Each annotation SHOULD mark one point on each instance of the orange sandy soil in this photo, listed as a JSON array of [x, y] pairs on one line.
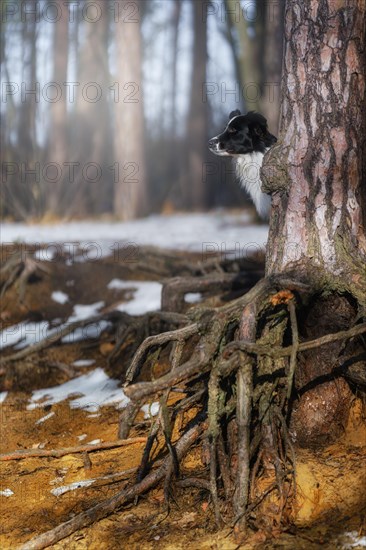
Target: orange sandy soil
[[331, 483]]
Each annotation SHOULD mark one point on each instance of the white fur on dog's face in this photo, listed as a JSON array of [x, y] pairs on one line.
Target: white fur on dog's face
[[215, 147]]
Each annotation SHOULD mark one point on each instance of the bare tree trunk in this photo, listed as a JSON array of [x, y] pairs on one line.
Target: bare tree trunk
[[195, 191], [317, 169], [247, 65], [316, 174], [272, 40], [57, 141], [130, 192], [28, 191], [91, 189]]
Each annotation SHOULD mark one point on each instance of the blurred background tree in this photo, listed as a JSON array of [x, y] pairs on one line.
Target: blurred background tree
[[107, 106]]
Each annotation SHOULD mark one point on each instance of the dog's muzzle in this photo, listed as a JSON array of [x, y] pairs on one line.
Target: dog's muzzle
[[214, 144]]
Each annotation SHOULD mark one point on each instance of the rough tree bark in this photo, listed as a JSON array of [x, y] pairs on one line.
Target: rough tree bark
[[316, 174], [317, 170]]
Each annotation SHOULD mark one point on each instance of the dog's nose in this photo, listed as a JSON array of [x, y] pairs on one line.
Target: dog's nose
[[213, 142]]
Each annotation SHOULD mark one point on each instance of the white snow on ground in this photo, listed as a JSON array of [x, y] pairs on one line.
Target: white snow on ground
[[94, 330], [46, 417], [146, 296], [150, 409], [94, 389], [3, 395], [83, 362], [230, 234], [59, 297], [45, 255], [72, 486], [82, 312], [24, 334], [352, 539], [27, 333], [192, 297], [6, 493]]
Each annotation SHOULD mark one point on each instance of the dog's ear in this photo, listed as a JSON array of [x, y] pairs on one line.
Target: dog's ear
[[234, 113], [260, 130]]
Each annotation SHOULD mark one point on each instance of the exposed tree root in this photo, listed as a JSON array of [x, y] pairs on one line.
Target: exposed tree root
[[108, 506], [235, 365], [18, 270]]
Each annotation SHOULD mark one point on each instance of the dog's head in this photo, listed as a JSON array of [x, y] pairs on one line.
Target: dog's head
[[243, 134]]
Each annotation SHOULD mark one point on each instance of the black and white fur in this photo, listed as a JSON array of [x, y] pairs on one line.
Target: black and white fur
[[246, 138]]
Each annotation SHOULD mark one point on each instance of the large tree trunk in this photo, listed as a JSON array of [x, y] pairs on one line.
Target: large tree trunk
[[316, 172], [130, 193], [316, 175]]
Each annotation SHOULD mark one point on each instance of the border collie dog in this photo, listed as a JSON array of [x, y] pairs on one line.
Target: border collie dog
[[246, 138]]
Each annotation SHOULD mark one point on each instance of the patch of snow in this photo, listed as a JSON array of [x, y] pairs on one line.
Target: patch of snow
[[6, 493], [94, 330], [44, 418], [356, 540], [81, 312], [146, 296], [3, 395], [59, 297], [192, 297], [90, 240], [72, 486], [94, 388], [94, 442], [45, 254], [27, 333], [83, 362], [151, 409], [24, 334]]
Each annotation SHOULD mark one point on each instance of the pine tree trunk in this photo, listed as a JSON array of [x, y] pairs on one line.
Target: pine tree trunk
[[57, 150], [272, 40], [248, 67], [195, 191], [130, 193], [91, 124], [316, 172]]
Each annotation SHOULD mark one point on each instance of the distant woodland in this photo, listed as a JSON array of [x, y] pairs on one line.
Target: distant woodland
[[107, 106]]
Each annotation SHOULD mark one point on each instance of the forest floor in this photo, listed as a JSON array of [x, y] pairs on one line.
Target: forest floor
[[68, 395]]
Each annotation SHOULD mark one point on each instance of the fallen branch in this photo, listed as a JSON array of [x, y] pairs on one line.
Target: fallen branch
[[108, 506], [57, 453]]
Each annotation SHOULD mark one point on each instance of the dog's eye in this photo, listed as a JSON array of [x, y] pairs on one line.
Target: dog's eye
[[232, 130]]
